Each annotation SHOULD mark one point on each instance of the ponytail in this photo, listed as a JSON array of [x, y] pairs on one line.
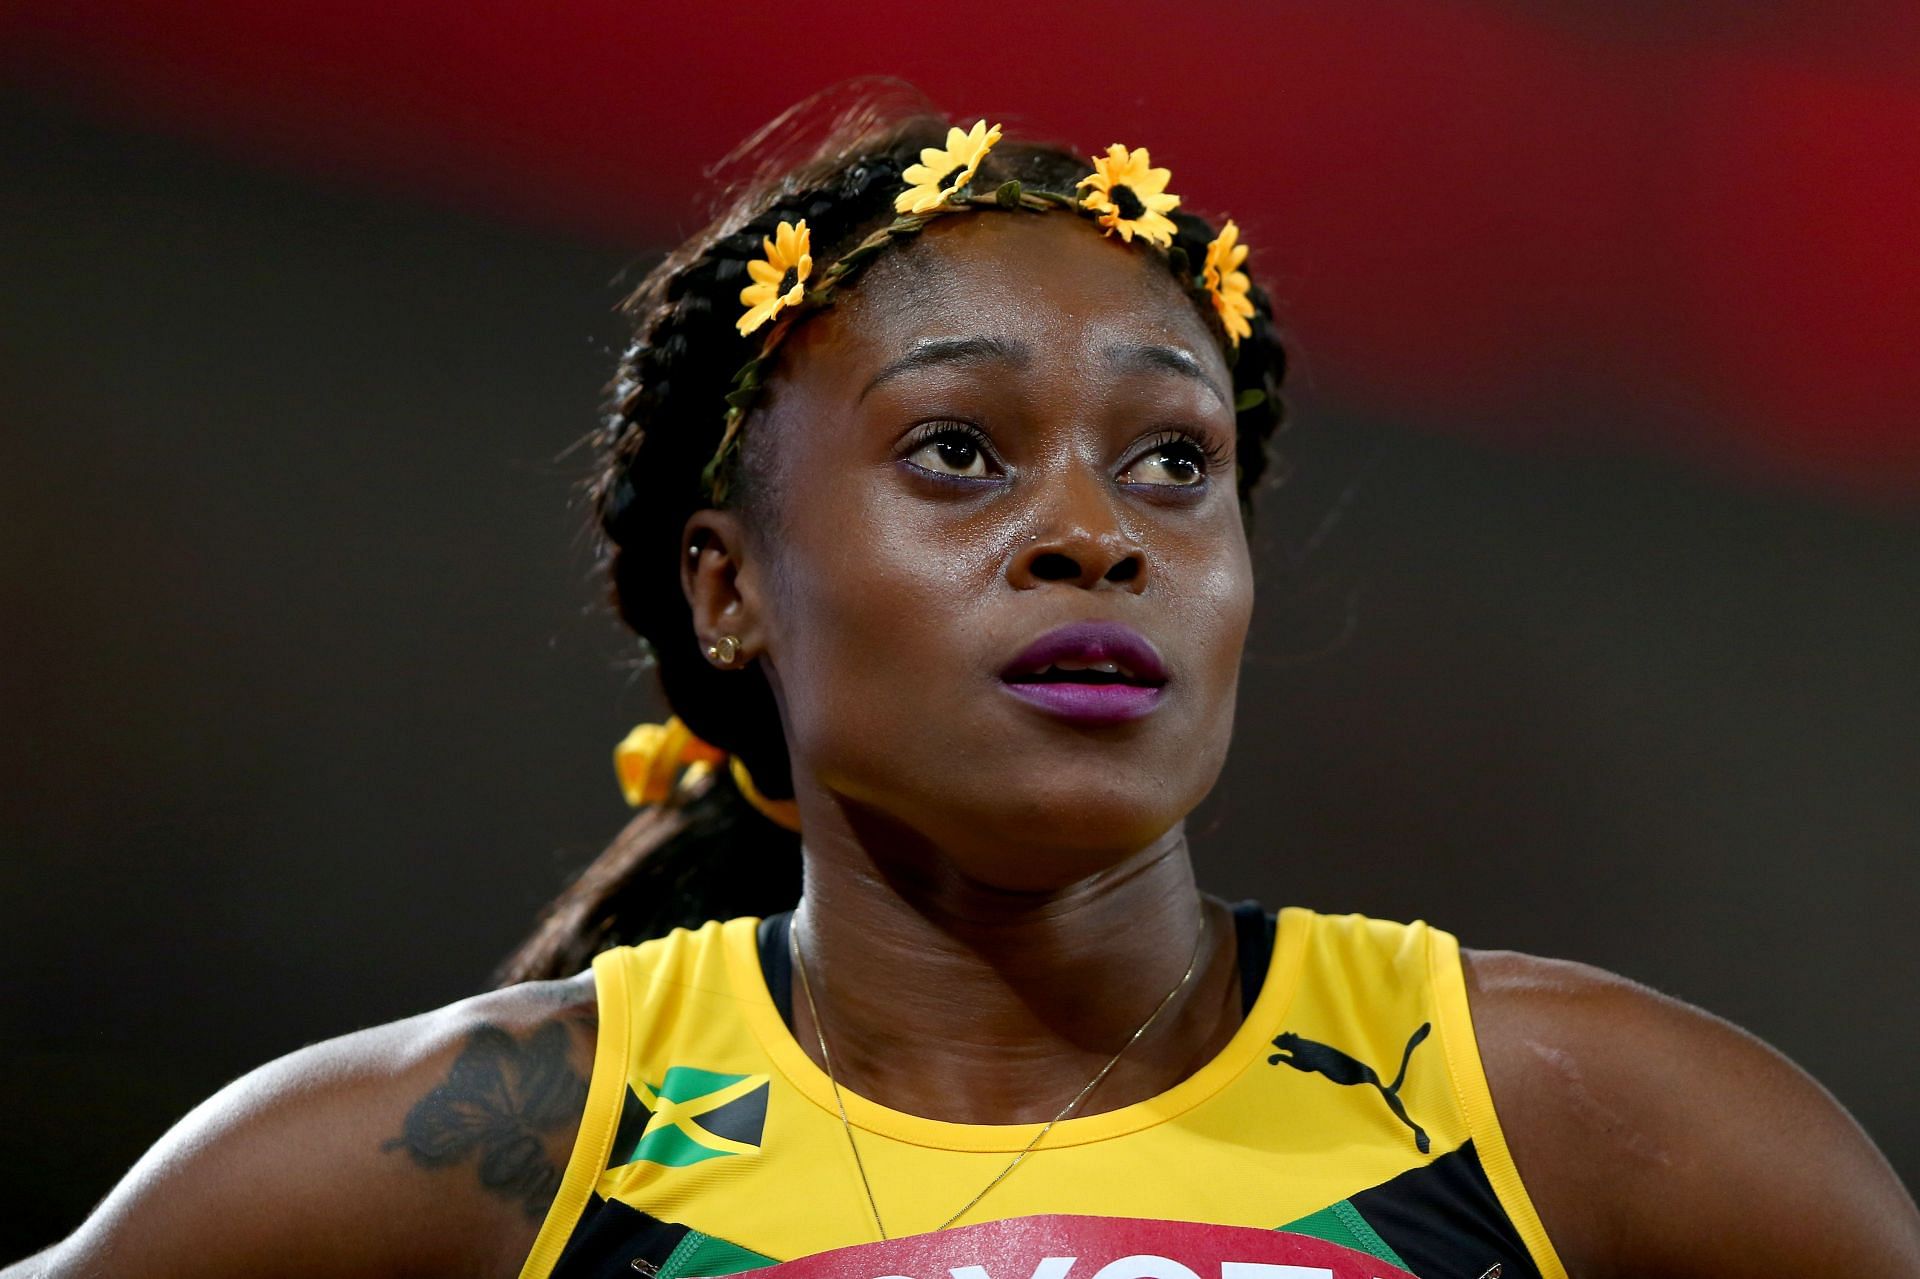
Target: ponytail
[[707, 855]]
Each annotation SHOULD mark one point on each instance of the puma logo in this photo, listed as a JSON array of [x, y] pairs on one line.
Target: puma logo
[[1322, 1059]]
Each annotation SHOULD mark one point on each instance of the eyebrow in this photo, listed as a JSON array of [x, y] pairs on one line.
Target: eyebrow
[[937, 351], [1150, 357]]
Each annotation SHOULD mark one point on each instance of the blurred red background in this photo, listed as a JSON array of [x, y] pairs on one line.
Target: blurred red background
[[1587, 226]]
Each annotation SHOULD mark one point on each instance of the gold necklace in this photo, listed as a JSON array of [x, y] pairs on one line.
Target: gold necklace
[[819, 1030]]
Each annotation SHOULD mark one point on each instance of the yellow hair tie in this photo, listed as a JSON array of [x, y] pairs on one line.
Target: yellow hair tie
[[655, 760], [653, 756], [781, 812]]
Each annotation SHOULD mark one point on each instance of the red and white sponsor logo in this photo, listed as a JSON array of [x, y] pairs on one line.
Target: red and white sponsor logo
[[1063, 1247]]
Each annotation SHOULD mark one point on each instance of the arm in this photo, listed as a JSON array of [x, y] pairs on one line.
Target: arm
[[431, 1145], [1662, 1143]]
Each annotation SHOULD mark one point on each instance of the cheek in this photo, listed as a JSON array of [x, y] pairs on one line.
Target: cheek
[[875, 610], [1212, 598], [1231, 588]]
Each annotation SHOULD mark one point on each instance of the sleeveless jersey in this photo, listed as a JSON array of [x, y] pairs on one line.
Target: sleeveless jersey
[[1350, 1105]]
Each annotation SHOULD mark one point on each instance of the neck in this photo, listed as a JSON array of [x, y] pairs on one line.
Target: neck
[[955, 1001]]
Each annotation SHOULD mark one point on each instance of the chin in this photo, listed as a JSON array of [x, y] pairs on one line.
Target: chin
[[1043, 875], [1016, 829], [1042, 841]]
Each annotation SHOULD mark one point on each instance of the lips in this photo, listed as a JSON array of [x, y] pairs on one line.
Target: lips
[[1089, 673], [1109, 649]]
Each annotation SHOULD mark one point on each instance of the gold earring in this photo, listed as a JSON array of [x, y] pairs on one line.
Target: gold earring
[[725, 652]]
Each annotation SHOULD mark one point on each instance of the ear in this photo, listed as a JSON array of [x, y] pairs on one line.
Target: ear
[[721, 588]]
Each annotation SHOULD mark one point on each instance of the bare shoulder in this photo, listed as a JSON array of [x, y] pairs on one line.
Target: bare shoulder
[[1658, 1139], [432, 1145]]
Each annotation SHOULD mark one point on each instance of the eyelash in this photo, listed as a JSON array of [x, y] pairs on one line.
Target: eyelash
[[932, 432], [1214, 455]]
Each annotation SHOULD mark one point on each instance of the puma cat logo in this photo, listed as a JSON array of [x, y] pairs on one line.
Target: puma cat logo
[[1322, 1059]]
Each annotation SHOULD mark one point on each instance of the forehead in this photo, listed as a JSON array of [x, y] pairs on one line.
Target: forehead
[[1050, 281]]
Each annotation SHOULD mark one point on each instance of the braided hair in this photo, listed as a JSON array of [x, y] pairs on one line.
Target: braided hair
[[709, 854]]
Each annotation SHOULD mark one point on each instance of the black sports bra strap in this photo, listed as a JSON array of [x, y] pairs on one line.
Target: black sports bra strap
[[1253, 932], [776, 962]]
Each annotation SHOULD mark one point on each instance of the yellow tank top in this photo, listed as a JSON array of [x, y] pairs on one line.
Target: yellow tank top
[[1350, 1105]]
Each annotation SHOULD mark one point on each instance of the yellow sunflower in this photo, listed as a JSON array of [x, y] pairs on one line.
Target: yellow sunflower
[[944, 170], [1227, 284], [779, 279], [1130, 197]]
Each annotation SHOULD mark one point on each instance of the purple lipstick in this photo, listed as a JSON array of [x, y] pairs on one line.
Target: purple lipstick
[[1090, 674]]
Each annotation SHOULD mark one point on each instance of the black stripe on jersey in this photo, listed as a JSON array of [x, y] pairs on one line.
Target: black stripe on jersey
[[610, 1237], [1445, 1220]]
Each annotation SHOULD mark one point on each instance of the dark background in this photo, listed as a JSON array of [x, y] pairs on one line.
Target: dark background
[[1606, 648]]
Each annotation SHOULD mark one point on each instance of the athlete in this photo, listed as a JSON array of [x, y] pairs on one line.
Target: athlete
[[925, 482]]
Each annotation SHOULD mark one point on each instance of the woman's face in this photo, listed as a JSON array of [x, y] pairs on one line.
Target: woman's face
[[1012, 432]]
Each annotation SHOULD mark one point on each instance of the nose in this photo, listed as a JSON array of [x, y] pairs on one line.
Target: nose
[[1079, 540]]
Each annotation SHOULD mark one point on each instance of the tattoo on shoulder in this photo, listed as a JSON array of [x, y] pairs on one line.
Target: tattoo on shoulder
[[500, 1099]]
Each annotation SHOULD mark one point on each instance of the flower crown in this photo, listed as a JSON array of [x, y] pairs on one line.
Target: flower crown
[[1124, 194]]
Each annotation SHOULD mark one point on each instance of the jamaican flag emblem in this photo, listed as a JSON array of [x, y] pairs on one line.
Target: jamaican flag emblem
[[689, 1116]]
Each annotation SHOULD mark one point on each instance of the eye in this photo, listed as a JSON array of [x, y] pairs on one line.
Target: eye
[[1173, 460], [950, 448]]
